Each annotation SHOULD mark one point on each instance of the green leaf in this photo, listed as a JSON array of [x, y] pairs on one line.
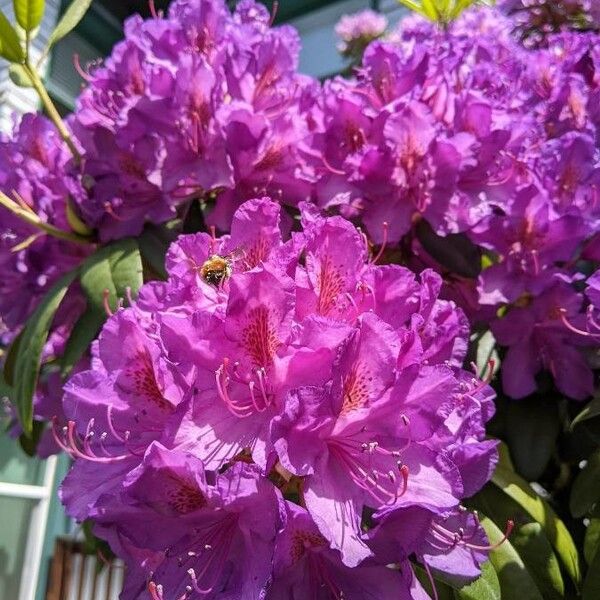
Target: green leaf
[[19, 76], [590, 411], [84, 333], [29, 444], [69, 21], [519, 490], [430, 9], [591, 585], [533, 547], [35, 334], [487, 587], [75, 223], [114, 268], [515, 581], [532, 427], [459, 7], [154, 244], [591, 544], [11, 360], [10, 46], [585, 492], [29, 13], [414, 6], [528, 539], [455, 252]]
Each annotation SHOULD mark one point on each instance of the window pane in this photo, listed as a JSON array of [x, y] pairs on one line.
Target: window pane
[[15, 515], [17, 467]]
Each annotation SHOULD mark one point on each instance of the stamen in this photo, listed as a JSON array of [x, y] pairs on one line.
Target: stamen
[[383, 244], [330, 167], [105, 302], [573, 328], [156, 591], [70, 446], [431, 580], [459, 536], [222, 381], [80, 70]]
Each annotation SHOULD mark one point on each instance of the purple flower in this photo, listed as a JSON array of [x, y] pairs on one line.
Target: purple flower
[[541, 333], [34, 171], [305, 567], [198, 105], [274, 365]]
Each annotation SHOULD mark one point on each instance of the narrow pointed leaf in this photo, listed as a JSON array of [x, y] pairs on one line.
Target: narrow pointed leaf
[[114, 268], [591, 585], [69, 20], [11, 360], [591, 411], [585, 493], [84, 333], [532, 427], [521, 492], [10, 46], [515, 581], [591, 544], [35, 334], [487, 587], [528, 539], [29, 13]]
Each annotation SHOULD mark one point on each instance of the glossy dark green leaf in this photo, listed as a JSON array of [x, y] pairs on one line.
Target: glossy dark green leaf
[[585, 492], [115, 268], [487, 587], [535, 550], [521, 492], [591, 585], [528, 539], [532, 426], [29, 444], [35, 334], [29, 13], [84, 333], [10, 45], [454, 252], [591, 544], [154, 244], [515, 581], [11, 360], [590, 411], [70, 19]]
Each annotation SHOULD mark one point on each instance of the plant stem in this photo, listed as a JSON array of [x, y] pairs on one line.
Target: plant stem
[[55, 117], [30, 217]]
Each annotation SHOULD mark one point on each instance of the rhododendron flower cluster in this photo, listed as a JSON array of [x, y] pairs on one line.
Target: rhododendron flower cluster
[[198, 104], [34, 171], [289, 415], [288, 407], [535, 19], [479, 136]]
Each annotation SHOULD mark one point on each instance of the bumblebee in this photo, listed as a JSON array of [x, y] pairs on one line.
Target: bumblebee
[[216, 270]]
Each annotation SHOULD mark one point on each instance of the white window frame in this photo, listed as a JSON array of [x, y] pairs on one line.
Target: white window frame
[[36, 535]]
